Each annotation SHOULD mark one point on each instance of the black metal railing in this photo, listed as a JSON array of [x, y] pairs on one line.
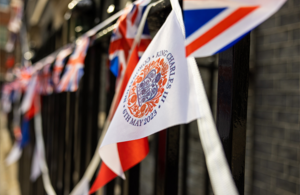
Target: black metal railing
[[72, 124]]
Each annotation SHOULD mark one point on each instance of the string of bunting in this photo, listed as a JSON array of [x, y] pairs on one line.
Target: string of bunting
[[154, 77]]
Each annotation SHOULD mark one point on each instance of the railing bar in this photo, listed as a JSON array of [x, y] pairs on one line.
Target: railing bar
[[160, 163], [185, 154], [172, 160], [232, 106]]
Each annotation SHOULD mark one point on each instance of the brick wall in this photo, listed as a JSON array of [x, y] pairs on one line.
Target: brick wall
[[276, 139]]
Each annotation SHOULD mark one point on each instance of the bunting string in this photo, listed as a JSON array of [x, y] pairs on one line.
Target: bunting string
[[67, 66]]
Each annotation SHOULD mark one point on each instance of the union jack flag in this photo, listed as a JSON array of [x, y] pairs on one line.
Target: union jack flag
[[215, 25], [123, 37], [74, 68], [59, 64], [45, 86], [23, 76]]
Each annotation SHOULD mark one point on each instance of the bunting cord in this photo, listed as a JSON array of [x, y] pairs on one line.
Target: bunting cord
[[109, 20], [89, 33], [218, 169], [80, 187]]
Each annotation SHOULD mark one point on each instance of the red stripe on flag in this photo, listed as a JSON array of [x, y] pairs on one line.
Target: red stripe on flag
[[133, 61], [33, 108], [105, 175], [233, 18], [132, 152], [144, 44], [120, 44]]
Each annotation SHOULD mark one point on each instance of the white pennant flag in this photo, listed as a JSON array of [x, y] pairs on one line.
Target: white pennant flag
[[164, 90], [160, 93]]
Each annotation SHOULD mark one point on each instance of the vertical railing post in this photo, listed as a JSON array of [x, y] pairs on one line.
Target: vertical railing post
[[172, 160], [232, 106], [160, 162], [166, 181], [134, 180], [110, 186]]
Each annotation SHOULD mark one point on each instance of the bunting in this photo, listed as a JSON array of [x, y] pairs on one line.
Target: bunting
[[156, 90], [123, 37], [214, 26], [59, 64], [74, 68], [45, 85]]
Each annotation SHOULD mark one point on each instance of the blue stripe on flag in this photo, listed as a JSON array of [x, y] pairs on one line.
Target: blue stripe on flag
[[114, 66], [232, 43], [195, 19], [132, 9], [25, 133]]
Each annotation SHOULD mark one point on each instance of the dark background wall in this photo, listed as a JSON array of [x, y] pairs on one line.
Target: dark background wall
[[276, 152]]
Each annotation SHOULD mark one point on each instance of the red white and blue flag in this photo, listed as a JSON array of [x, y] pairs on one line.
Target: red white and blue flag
[[45, 86], [215, 25], [59, 64], [74, 68], [24, 75], [123, 37]]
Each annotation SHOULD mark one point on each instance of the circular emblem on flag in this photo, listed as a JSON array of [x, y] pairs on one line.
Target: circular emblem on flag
[[148, 88]]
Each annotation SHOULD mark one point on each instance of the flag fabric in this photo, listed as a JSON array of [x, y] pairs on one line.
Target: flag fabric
[[45, 85], [159, 94], [25, 132], [74, 68], [214, 26], [31, 110], [123, 37], [24, 75], [28, 109], [59, 64], [27, 100]]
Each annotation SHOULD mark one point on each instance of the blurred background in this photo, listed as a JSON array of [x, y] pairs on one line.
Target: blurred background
[[71, 132]]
